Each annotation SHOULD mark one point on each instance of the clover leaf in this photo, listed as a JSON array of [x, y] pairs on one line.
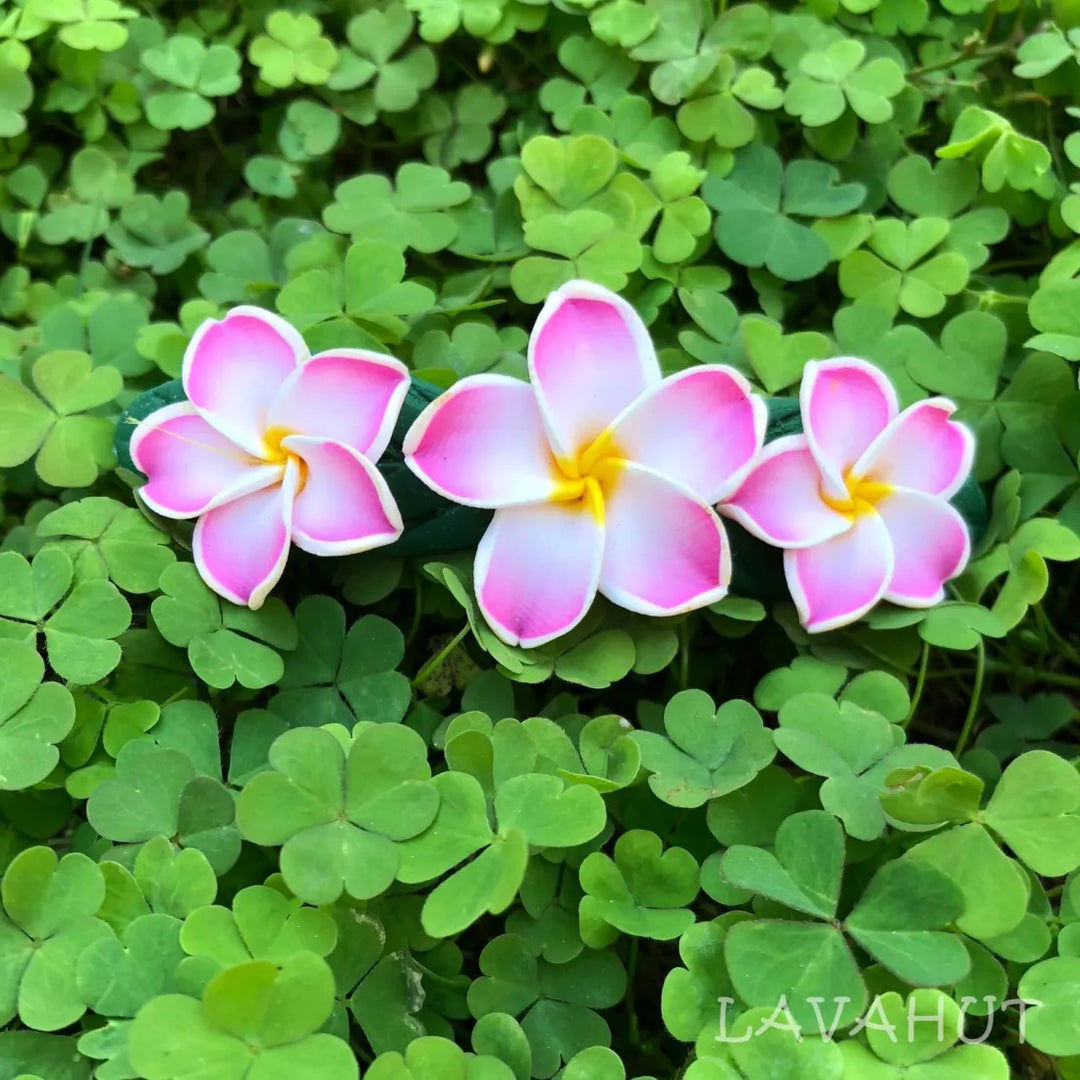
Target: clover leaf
[[901, 920], [897, 1046], [48, 922], [1007, 157], [896, 272], [90, 25], [459, 130], [435, 1056], [224, 642], [262, 924], [57, 423], [105, 539], [16, 94], [156, 233], [759, 201], [643, 891], [78, 625], [829, 80], [339, 814], [409, 213], [199, 71], [254, 1019], [717, 109], [334, 677], [34, 717], [378, 36], [156, 792], [558, 1001], [707, 751], [855, 749], [293, 49], [441, 18]]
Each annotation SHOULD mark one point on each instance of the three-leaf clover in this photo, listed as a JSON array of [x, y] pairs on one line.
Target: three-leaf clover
[[707, 752], [1008, 159], [901, 920], [254, 1020], [759, 201], [378, 36], [829, 80], [340, 812], [225, 643], [198, 71], [293, 49], [411, 212], [156, 233], [57, 422], [78, 624]]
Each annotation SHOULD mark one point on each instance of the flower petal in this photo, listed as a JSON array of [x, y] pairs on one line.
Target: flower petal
[[190, 466], [665, 550], [349, 395], [590, 355], [240, 548], [234, 366], [780, 501], [846, 403], [922, 449], [839, 581], [482, 443], [537, 569], [700, 428], [344, 505], [930, 545]]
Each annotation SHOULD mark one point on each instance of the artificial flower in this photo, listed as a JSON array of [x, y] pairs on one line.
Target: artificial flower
[[272, 446], [860, 500], [602, 474]]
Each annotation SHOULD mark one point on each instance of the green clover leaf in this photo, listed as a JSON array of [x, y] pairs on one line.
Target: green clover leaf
[[409, 213], [254, 1020], [377, 36], [57, 422], [643, 891], [225, 643], [340, 814], [156, 233], [759, 201], [48, 922], [293, 49], [707, 751], [434, 1056], [1007, 157]]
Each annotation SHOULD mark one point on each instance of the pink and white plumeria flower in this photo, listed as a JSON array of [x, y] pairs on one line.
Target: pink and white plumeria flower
[[273, 445], [602, 474], [860, 500]]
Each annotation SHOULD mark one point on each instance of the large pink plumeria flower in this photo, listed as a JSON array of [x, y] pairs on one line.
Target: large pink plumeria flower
[[860, 501], [602, 474], [273, 445]]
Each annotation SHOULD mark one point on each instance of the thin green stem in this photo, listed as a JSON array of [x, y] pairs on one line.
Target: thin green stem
[[684, 655], [631, 1011], [920, 682], [439, 658], [976, 695], [967, 54]]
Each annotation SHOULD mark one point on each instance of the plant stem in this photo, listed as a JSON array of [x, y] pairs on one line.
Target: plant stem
[[920, 682], [631, 1011], [976, 695], [439, 658]]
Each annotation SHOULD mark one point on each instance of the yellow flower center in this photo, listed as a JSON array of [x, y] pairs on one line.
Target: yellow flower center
[[587, 479], [862, 496], [276, 454]]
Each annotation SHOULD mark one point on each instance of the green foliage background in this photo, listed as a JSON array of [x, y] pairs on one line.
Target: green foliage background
[[353, 832]]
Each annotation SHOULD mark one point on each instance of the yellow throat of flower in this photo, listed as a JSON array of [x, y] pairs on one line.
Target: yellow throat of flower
[[585, 481], [862, 496]]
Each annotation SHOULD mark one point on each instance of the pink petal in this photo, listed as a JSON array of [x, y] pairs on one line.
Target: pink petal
[[700, 428], [482, 443], [234, 366], [590, 355], [665, 551], [191, 467], [780, 501], [537, 569], [922, 449], [846, 403], [240, 548], [344, 505], [839, 581], [930, 545], [350, 395]]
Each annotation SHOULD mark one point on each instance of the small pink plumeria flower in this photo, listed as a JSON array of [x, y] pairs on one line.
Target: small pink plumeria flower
[[273, 445], [602, 474], [860, 500]]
